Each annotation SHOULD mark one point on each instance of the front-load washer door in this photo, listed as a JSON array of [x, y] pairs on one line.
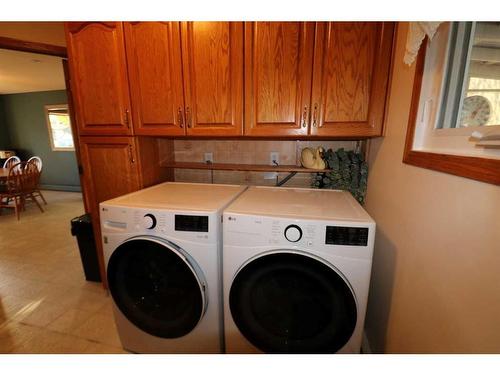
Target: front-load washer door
[[156, 287], [291, 303]]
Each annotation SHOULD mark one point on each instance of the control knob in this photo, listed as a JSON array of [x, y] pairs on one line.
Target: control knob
[[293, 233], [149, 221]]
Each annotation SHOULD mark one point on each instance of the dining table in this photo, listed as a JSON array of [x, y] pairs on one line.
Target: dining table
[[4, 173]]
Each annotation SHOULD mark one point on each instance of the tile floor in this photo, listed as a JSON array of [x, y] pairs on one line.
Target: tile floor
[[46, 306]]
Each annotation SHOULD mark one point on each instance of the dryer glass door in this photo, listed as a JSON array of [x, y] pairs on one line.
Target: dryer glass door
[[155, 287], [292, 303]]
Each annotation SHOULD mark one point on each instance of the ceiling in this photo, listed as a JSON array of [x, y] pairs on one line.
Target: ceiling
[[28, 72], [41, 32]]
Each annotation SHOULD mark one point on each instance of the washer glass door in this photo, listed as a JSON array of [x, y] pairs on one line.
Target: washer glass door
[[292, 303], [156, 287]]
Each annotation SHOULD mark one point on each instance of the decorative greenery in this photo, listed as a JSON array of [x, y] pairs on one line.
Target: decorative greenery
[[349, 172]]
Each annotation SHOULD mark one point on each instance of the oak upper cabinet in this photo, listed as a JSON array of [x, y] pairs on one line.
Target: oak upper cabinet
[[99, 79], [351, 70], [212, 54], [155, 74], [278, 74]]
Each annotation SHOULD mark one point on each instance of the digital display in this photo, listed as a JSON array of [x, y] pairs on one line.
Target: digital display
[[347, 236], [188, 223]]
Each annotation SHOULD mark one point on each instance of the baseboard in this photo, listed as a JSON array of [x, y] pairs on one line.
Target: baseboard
[[61, 187], [365, 345]]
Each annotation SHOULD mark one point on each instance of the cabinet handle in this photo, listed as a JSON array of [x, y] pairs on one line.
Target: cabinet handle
[[304, 117], [188, 117], [127, 122], [315, 114], [131, 154], [180, 117]]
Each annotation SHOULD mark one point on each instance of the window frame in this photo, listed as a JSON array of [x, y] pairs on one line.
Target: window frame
[[476, 168], [457, 67], [47, 109]]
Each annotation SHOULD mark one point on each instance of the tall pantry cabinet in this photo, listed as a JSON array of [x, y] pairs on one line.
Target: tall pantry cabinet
[[110, 158]]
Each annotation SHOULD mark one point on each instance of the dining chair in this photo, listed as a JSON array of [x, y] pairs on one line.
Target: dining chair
[[30, 178], [38, 162], [11, 161], [12, 190]]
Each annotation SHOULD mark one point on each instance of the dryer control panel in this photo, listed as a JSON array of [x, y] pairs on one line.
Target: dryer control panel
[[345, 238]]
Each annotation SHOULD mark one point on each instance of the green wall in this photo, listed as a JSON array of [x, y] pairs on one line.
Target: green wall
[[27, 133], [4, 131]]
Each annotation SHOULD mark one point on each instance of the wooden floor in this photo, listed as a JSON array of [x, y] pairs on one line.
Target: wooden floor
[[46, 306]]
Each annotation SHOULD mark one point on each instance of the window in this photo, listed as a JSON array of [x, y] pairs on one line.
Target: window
[[471, 92], [59, 125], [456, 92]]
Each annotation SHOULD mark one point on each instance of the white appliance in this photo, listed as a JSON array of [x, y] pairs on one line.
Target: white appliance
[[296, 271], [162, 250]]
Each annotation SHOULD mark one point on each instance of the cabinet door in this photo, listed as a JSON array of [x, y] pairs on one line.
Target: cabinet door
[[98, 77], [278, 73], [109, 170], [212, 54], [155, 74], [351, 70], [109, 167]]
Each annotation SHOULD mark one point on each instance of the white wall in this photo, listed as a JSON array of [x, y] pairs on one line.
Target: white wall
[[436, 272]]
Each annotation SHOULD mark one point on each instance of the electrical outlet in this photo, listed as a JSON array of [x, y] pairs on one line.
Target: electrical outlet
[[270, 175], [209, 157], [274, 158]]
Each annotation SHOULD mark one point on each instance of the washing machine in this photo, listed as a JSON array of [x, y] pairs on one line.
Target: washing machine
[[162, 248], [296, 271]]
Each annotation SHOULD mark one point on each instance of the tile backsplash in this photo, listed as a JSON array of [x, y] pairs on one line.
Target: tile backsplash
[[246, 152]]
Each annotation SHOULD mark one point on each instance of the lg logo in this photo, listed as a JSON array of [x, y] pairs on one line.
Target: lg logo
[[230, 218]]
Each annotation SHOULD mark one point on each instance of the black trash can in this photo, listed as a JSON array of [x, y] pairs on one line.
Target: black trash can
[[81, 227]]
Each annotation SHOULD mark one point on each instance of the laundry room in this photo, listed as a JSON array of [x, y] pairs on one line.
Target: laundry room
[[305, 185]]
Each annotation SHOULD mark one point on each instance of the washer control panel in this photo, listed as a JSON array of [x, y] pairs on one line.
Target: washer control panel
[[193, 226], [191, 223]]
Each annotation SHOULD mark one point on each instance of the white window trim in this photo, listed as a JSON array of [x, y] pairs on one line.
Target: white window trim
[[453, 141]]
